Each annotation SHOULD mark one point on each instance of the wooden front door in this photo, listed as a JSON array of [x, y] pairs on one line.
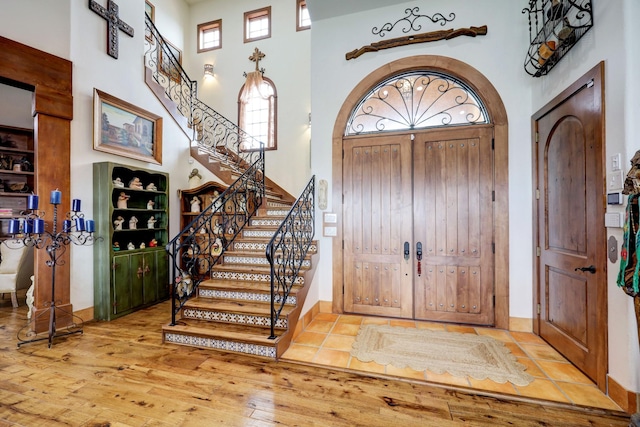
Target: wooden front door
[[433, 188], [571, 271], [453, 220], [377, 223]]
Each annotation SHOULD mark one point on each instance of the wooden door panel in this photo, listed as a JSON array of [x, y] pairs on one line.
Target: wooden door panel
[[570, 226], [453, 217], [377, 222]]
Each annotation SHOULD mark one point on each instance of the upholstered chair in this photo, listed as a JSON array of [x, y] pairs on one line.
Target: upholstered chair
[[16, 268]]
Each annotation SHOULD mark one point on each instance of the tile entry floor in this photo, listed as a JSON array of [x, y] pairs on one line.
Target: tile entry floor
[[328, 338]]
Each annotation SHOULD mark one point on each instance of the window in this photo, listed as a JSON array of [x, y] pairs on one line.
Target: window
[[210, 36], [417, 100], [303, 20], [257, 24], [257, 113]]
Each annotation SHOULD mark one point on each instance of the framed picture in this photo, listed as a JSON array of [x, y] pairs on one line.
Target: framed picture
[[150, 10], [125, 130], [165, 61]]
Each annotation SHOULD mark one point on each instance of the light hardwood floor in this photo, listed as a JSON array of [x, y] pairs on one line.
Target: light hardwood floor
[[120, 374]]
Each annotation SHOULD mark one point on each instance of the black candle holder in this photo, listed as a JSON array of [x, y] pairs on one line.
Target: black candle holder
[[32, 232]]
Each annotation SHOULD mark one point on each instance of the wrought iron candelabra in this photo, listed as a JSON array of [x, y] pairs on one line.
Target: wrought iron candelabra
[[30, 230]]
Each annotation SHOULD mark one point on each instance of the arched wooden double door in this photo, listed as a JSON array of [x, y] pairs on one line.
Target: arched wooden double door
[[418, 225], [419, 217]]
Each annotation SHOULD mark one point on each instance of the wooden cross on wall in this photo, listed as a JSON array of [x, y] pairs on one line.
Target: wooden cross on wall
[[256, 57], [114, 24]]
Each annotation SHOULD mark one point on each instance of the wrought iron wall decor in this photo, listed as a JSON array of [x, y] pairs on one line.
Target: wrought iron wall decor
[[409, 21], [431, 36], [415, 100], [555, 26]]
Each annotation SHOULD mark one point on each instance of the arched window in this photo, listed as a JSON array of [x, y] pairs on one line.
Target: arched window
[[416, 100], [257, 108]]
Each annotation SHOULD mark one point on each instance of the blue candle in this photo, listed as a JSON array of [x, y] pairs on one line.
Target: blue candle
[[56, 196], [66, 225], [38, 226], [79, 224], [32, 202], [28, 226], [91, 225], [14, 226], [75, 205]]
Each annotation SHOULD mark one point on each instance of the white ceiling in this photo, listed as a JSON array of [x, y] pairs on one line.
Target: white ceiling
[[323, 9]]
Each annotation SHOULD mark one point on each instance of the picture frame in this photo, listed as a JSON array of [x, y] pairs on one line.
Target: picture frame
[[165, 64], [150, 10], [125, 130]]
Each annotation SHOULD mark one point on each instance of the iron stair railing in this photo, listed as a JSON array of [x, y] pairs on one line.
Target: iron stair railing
[[288, 249], [202, 243], [214, 134]]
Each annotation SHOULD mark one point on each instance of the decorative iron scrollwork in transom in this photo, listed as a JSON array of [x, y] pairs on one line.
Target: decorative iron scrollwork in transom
[[417, 100]]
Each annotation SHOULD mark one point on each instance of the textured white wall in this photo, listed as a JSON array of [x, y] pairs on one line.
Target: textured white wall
[[287, 64], [499, 56]]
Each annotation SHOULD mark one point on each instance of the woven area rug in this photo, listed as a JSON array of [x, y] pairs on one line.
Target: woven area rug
[[476, 356]]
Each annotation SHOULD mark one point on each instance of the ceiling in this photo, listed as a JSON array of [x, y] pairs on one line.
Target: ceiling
[[323, 9]]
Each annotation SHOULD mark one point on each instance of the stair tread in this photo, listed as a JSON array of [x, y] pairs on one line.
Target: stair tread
[[227, 331], [247, 268], [239, 286], [249, 308]]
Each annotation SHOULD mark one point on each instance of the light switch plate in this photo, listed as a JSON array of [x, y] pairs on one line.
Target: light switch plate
[[330, 231], [615, 180]]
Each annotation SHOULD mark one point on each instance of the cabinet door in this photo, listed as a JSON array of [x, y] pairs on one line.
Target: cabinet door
[[120, 276], [162, 272], [138, 279]]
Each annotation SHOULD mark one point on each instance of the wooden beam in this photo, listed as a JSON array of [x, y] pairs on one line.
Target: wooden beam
[[418, 38]]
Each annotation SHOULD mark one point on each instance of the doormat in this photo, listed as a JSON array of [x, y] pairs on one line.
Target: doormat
[[462, 355]]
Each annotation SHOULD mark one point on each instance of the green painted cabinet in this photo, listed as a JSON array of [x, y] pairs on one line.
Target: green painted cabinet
[[131, 210]]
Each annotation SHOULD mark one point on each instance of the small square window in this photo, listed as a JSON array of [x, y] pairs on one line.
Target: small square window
[[303, 20], [257, 24], [210, 36]]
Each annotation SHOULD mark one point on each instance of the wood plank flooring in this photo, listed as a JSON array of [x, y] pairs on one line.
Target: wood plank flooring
[[119, 373]]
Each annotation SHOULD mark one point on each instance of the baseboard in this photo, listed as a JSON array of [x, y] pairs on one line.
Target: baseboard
[[520, 324], [625, 399], [85, 314]]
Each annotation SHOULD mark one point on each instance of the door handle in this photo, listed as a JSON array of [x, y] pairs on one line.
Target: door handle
[[406, 251], [591, 269], [419, 257]]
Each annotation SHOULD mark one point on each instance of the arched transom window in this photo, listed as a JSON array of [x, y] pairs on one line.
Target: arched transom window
[[416, 100]]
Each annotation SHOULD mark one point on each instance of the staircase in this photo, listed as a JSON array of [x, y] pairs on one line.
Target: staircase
[[243, 302], [232, 310]]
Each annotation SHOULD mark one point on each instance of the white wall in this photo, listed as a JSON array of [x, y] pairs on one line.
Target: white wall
[[287, 64], [611, 40], [499, 56], [68, 28]]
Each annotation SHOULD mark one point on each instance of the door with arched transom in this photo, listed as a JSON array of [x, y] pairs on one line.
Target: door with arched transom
[[418, 186]]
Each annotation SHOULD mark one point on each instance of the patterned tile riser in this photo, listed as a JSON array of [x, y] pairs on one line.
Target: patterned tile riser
[[254, 261], [261, 246], [241, 296], [247, 277], [238, 319], [237, 347]]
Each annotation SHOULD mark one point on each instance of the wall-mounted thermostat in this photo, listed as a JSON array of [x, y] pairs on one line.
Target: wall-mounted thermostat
[[614, 198]]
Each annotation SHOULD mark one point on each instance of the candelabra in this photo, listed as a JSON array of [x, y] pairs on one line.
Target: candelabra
[[30, 230]]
